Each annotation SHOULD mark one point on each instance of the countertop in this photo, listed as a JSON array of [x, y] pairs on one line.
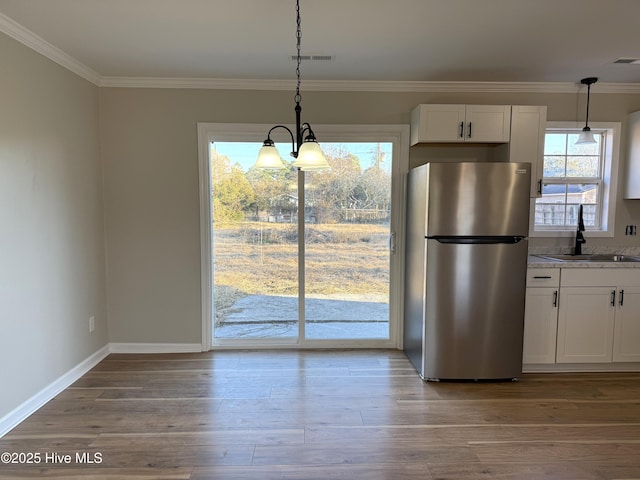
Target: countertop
[[537, 262]]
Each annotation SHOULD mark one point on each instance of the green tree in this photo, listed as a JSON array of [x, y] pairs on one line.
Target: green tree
[[232, 194]]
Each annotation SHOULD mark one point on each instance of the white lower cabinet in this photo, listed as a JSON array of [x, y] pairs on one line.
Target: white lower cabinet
[[626, 339], [541, 316], [582, 315], [599, 316], [585, 325]]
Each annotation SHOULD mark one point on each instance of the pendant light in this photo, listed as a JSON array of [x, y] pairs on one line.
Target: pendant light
[[586, 137], [305, 148]]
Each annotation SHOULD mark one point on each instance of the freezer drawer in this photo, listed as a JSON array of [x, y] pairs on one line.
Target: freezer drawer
[[474, 310]]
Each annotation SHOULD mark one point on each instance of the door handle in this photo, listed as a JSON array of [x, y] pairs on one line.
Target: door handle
[[469, 130], [392, 242], [540, 187], [555, 299], [461, 129], [613, 298], [542, 276], [621, 297]]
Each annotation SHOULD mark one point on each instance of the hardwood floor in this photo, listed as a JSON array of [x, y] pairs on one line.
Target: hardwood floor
[[326, 415]]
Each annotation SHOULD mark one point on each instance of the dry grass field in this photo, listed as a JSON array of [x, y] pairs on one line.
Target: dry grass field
[[261, 258]]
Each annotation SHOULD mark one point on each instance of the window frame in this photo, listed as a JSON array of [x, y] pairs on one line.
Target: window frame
[[608, 185]]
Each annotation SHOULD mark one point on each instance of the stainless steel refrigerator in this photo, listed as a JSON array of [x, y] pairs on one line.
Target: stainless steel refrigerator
[[465, 273]]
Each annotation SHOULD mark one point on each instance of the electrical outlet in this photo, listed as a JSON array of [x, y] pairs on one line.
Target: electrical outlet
[[630, 230], [92, 324]]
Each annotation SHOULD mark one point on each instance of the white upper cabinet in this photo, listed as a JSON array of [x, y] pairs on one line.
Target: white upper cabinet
[[632, 185], [528, 125], [431, 123]]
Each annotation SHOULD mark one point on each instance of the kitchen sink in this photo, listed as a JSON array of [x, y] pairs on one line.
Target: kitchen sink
[[594, 257]]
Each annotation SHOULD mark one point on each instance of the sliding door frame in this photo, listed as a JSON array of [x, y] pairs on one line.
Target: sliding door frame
[[398, 135]]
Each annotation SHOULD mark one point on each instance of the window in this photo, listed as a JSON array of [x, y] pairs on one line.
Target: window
[[575, 175]]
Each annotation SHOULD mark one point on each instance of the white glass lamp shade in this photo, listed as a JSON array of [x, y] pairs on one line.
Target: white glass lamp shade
[[269, 158], [310, 157], [586, 137]]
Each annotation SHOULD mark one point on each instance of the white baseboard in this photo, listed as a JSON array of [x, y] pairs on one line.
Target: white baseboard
[[155, 347], [20, 413], [23, 411]]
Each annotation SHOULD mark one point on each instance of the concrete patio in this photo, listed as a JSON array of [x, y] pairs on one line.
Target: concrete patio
[[327, 317]]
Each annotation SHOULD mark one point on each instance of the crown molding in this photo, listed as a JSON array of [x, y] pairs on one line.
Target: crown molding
[[364, 86], [33, 41], [40, 45]]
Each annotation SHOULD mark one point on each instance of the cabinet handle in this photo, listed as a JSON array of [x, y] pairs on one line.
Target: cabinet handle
[[542, 276], [555, 298], [613, 298], [540, 187], [621, 297], [461, 129], [469, 129]]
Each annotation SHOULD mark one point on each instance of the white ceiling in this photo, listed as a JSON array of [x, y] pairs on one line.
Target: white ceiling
[[372, 40]]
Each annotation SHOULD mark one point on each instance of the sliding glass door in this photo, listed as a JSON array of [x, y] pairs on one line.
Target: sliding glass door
[[347, 237], [302, 258]]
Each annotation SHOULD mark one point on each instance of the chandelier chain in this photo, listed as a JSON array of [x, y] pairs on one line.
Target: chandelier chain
[[298, 97]]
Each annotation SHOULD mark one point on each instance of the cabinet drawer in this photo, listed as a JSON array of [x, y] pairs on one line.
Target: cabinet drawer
[[543, 277]]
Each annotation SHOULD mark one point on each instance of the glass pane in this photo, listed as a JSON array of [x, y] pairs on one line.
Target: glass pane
[[590, 216], [347, 243], [555, 144], [255, 267], [584, 193], [583, 149], [554, 166], [553, 193], [549, 214], [560, 202], [583, 166], [550, 208]]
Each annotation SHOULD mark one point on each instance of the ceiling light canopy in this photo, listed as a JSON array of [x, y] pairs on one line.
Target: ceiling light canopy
[[586, 137], [305, 148]]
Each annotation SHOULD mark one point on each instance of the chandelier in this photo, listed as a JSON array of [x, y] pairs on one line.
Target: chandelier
[[305, 149]]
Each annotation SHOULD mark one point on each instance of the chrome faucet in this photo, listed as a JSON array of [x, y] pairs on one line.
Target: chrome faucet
[[579, 236]]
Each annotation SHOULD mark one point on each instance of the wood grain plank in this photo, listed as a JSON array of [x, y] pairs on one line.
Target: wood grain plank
[[317, 414]]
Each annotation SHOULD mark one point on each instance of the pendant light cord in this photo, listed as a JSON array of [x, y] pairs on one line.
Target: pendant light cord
[[298, 98], [586, 124]]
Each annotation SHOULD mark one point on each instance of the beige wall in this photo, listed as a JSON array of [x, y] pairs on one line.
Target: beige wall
[[55, 128], [151, 183], [52, 267]]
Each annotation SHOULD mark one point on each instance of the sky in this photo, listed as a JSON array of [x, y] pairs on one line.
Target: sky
[[246, 153]]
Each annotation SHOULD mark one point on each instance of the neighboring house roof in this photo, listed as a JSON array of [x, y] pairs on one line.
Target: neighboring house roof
[[558, 188]]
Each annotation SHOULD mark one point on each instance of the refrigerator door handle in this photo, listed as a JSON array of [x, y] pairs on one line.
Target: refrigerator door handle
[[478, 240]]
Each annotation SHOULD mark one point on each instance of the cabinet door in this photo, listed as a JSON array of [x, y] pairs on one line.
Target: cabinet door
[[626, 344], [487, 123], [437, 123], [540, 325], [632, 183], [585, 324], [528, 125]]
